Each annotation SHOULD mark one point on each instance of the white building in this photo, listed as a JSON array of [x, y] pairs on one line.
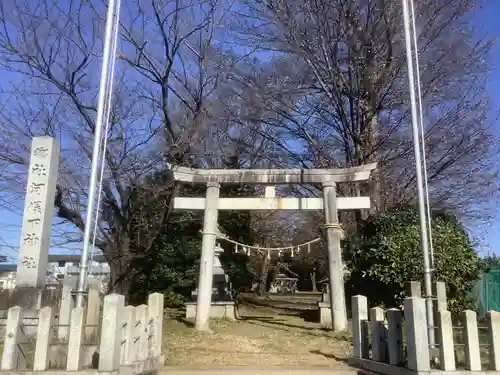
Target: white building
[[7, 276], [59, 266]]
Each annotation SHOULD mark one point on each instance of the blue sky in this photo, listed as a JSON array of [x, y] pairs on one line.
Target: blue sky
[[487, 16], [10, 219]]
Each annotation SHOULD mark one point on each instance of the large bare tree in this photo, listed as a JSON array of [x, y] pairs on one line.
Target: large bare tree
[[168, 73], [336, 81]]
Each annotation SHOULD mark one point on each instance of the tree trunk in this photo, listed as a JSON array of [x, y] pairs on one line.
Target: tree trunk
[[371, 140], [119, 280]]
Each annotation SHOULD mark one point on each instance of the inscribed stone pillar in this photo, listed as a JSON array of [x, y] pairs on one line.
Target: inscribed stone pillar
[[38, 210], [335, 265], [204, 298]]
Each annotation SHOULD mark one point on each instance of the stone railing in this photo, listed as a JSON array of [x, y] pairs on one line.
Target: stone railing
[[400, 345], [126, 340]]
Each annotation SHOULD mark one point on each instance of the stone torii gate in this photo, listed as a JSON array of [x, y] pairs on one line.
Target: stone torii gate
[[211, 204]]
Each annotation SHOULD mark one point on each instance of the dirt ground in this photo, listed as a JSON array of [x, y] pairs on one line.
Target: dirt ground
[[259, 338]]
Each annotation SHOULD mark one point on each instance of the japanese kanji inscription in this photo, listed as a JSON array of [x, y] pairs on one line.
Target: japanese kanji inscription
[[37, 218]]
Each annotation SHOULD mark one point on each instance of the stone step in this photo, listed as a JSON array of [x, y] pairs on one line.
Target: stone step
[[173, 370]]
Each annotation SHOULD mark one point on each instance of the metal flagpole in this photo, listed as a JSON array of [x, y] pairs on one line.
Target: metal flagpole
[[107, 112], [418, 164], [113, 12], [422, 135]]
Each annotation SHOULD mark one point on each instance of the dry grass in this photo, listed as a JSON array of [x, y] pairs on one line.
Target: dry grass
[[259, 338]]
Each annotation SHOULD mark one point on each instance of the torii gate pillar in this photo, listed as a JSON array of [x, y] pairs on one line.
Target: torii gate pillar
[[335, 264], [209, 237]]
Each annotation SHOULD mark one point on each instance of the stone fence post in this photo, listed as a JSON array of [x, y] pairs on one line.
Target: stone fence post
[[471, 336], [494, 339], [379, 334], [446, 343], [414, 289], [66, 307], [93, 311], [43, 339], [128, 350], [141, 332], [155, 317], [395, 336], [360, 347], [109, 348], [13, 335], [75, 342], [417, 341]]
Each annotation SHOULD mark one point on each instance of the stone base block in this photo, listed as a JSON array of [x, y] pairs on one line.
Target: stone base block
[[325, 314], [218, 310]]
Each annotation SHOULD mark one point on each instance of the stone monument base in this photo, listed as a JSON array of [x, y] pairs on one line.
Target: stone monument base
[[325, 314], [218, 310]]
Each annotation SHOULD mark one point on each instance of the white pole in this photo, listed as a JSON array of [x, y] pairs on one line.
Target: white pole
[[418, 164], [107, 112], [422, 134], [107, 53]]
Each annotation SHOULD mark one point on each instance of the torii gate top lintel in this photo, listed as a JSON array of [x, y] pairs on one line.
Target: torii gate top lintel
[[273, 176]]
